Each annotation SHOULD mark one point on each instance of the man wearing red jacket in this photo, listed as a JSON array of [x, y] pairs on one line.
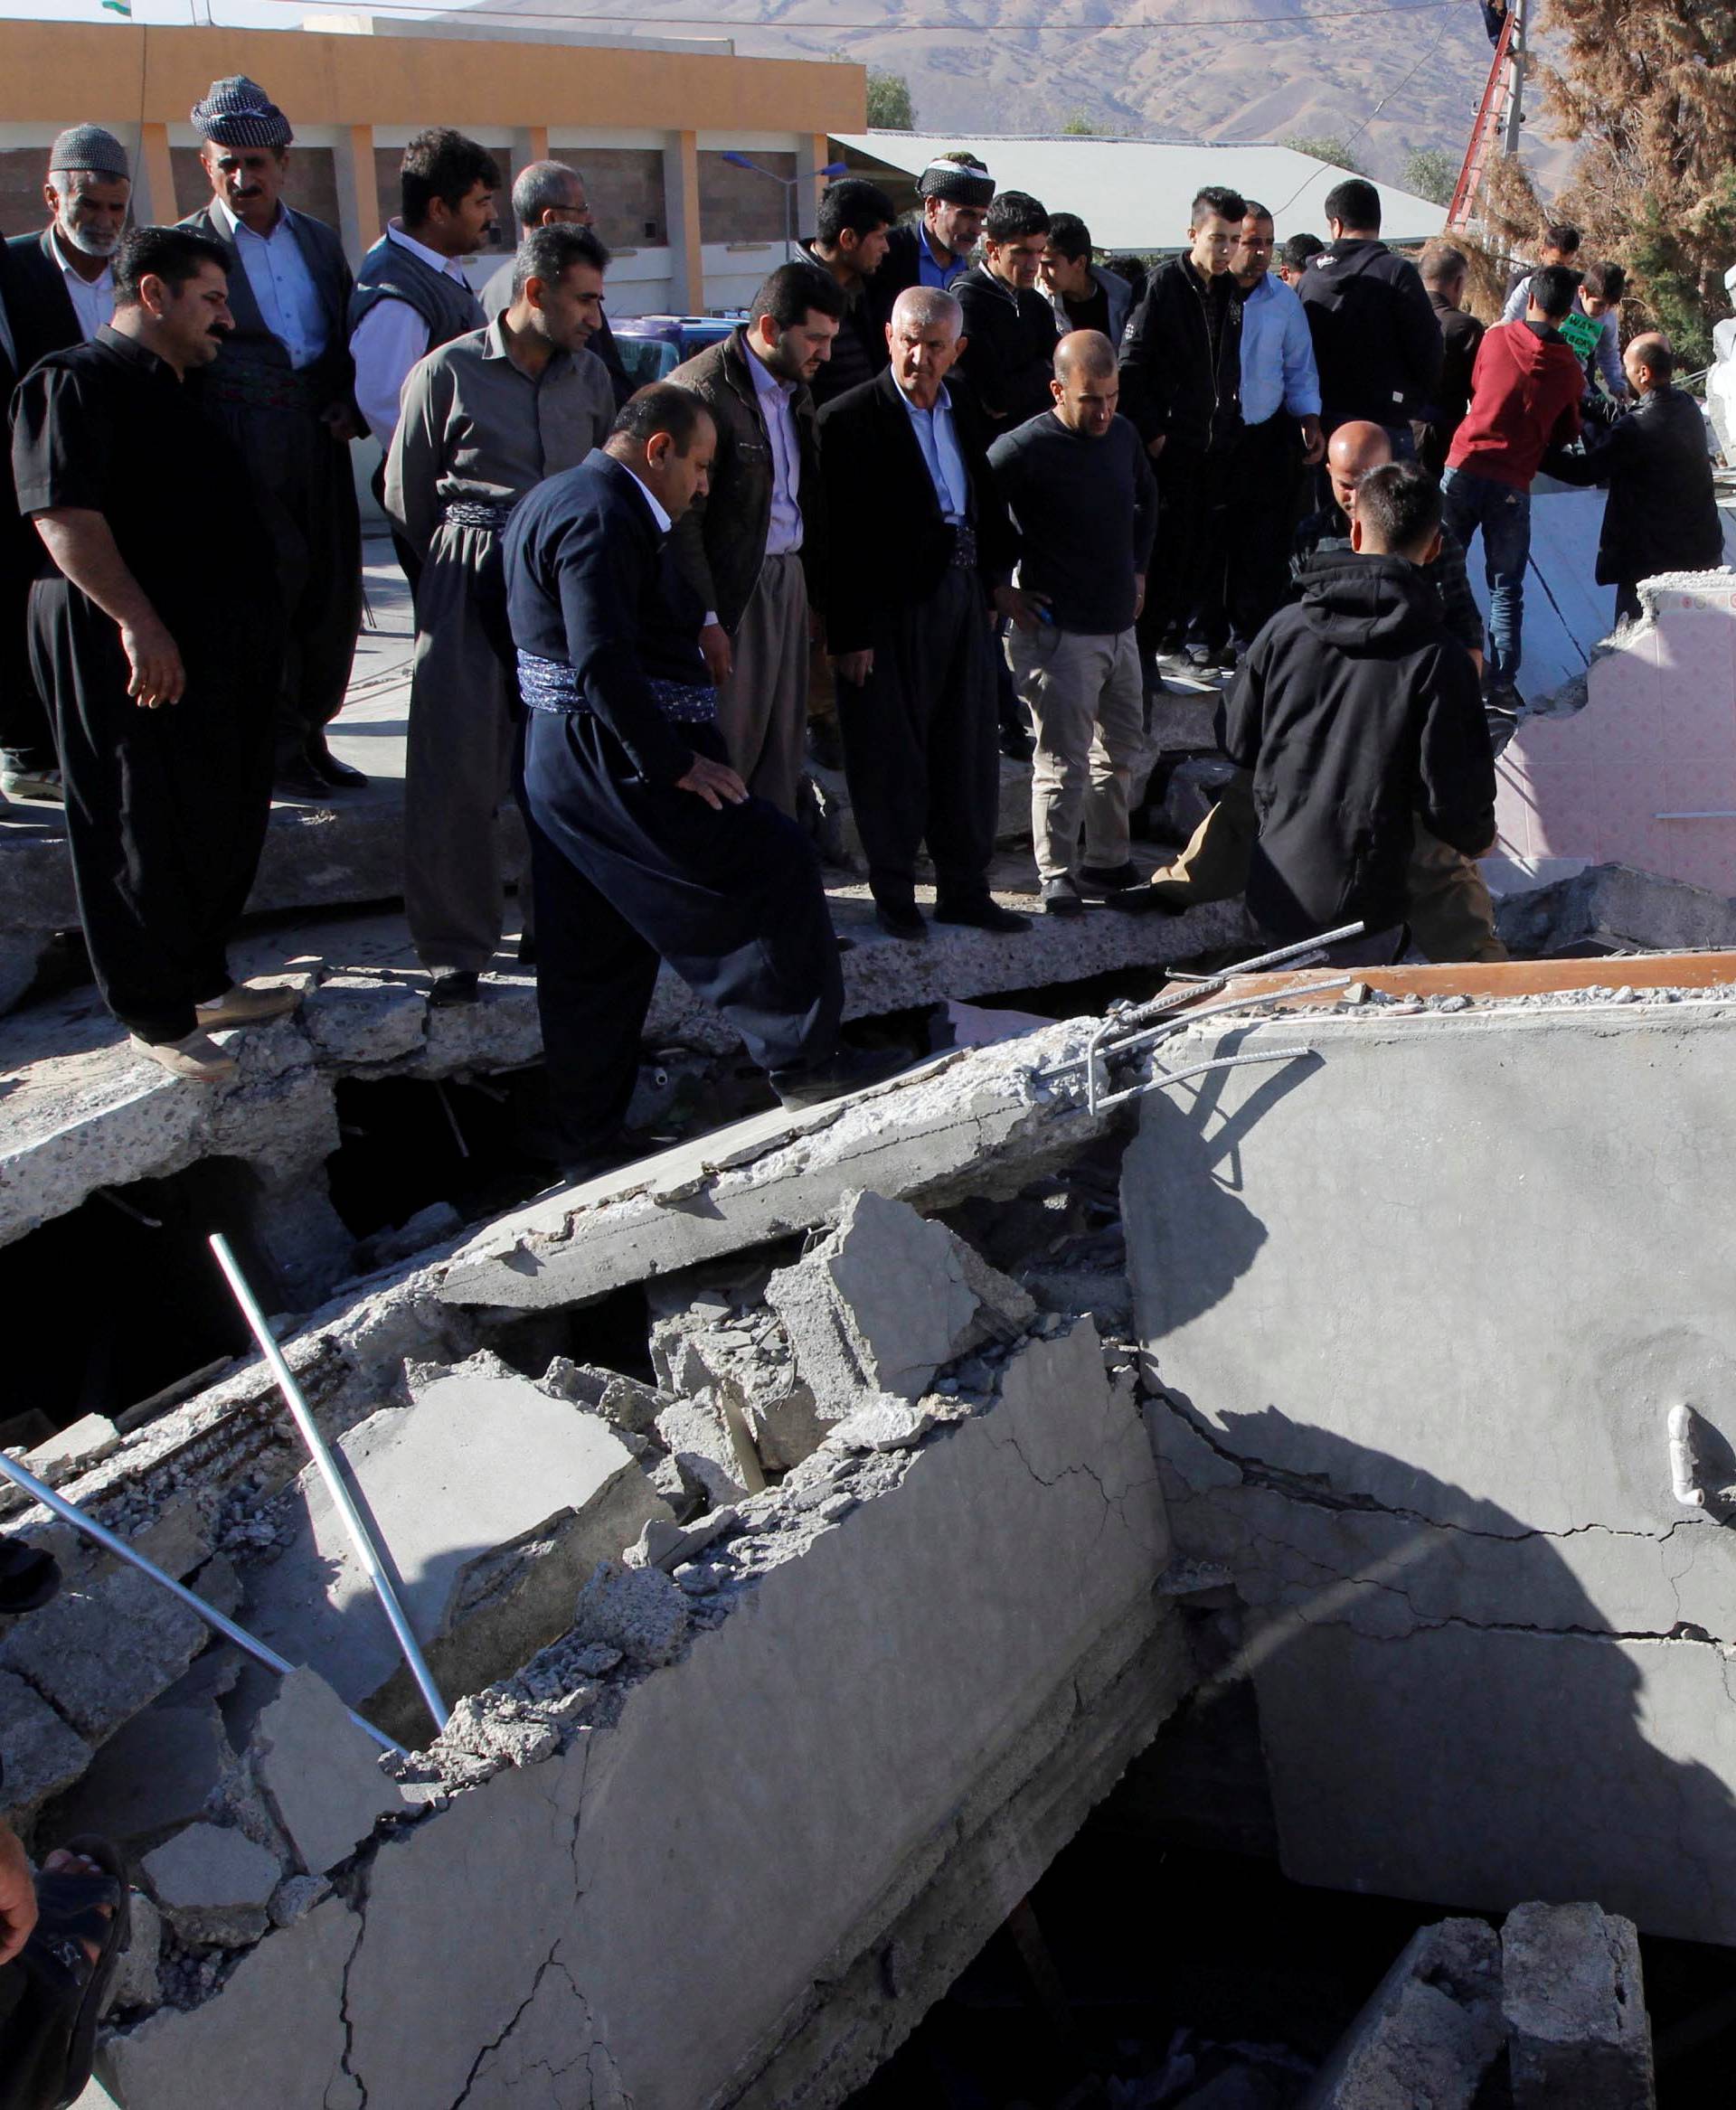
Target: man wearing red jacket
[[1525, 390]]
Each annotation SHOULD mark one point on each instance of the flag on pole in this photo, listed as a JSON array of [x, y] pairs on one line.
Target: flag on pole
[[119, 7]]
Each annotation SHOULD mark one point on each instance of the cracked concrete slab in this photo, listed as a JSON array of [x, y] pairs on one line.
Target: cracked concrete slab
[[873, 1694], [1450, 1518]]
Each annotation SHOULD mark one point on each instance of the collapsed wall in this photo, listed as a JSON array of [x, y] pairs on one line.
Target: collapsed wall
[[1417, 1309]]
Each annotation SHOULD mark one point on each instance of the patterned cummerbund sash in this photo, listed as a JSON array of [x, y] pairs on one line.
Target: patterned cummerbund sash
[[267, 388], [964, 547], [551, 684], [473, 512]]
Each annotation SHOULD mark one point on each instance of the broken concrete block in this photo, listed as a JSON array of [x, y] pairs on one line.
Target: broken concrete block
[[1574, 2001], [1430, 2031], [637, 1610], [296, 1896], [665, 1545], [43, 1755], [881, 1425], [319, 1772], [213, 1885], [721, 1340], [429, 1227], [492, 1500], [90, 1440], [150, 1778], [885, 1301], [694, 1432], [500, 1732], [138, 1982], [103, 1652]]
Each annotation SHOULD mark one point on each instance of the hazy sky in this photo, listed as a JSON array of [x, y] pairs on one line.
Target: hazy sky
[[233, 14]]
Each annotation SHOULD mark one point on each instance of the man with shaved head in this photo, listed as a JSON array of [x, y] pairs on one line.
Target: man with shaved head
[[1085, 502], [1661, 515], [919, 548]]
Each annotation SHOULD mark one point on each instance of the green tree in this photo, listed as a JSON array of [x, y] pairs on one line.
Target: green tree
[[1430, 173], [1078, 125], [1650, 94], [890, 108], [1330, 147]]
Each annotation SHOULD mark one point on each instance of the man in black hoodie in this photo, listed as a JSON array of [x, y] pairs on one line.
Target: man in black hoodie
[[1358, 714], [1376, 339], [1181, 389]]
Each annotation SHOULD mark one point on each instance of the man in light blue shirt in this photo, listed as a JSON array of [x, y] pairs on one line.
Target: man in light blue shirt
[[284, 388], [1281, 412]]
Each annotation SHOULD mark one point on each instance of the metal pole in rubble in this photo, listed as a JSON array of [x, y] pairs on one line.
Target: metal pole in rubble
[[336, 1485], [111, 1542]]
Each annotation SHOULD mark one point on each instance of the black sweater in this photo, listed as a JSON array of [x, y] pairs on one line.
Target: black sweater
[[1376, 339], [1086, 511], [1356, 713], [1009, 355]]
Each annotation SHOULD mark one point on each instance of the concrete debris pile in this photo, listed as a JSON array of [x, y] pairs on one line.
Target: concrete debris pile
[[981, 1512], [1547, 2014]]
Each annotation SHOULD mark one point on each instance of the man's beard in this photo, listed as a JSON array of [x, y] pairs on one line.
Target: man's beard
[[89, 240]]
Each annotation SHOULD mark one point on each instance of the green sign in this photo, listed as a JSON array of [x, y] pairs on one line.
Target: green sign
[[1583, 333]]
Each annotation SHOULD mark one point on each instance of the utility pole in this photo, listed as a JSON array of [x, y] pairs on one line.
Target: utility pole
[[1516, 60]]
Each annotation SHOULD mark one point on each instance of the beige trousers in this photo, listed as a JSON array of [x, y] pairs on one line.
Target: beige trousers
[[762, 708], [1087, 704]]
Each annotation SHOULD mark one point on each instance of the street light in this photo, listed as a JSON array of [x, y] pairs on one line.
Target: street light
[[832, 168]]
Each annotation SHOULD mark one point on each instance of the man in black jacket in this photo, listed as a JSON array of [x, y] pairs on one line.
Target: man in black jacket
[[1181, 388], [1358, 715], [920, 543], [751, 546], [1661, 515], [955, 190], [644, 843], [284, 389], [1010, 334], [1376, 341], [852, 229], [1444, 271]]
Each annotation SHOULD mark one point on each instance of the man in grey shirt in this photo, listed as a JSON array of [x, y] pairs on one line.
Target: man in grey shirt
[[485, 418], [1085, 501]]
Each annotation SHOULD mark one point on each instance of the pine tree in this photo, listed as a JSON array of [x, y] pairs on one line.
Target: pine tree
[[1651, 95]]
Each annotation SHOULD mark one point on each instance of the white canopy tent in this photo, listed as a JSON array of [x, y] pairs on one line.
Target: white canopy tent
[[1133, 195]]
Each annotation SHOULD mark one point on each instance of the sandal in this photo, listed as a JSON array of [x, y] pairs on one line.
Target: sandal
[[48, 2043]]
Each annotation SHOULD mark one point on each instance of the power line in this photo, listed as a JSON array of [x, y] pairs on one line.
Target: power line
[[1279, 25]]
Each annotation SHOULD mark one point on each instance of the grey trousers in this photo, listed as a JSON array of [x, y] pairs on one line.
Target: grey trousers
[[458, 758], [762, 708], [1086, 698]]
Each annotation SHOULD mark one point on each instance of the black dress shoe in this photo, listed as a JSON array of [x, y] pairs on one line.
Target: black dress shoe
[[899, 922], [458, 986], [851, 1069], [983, 915], [297, 781], [1016, 744], [338, 775], [1143, 902]]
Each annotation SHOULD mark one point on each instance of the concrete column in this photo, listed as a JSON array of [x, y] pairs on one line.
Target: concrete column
[[681, 202], [358, 196], [530, 143], [811, 157], [154, 179]]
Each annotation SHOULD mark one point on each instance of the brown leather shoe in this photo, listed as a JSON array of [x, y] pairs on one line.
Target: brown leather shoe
[[197, 1058]]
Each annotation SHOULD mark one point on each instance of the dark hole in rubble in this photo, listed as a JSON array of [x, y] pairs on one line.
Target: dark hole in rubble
[[119, 1298], [1191, 1974]]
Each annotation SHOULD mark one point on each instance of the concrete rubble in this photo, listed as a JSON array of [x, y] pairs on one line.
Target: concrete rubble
[[1549, 2013], [957, 1418]]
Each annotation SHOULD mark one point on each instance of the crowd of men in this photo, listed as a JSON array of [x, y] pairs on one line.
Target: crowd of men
[[951, 489]]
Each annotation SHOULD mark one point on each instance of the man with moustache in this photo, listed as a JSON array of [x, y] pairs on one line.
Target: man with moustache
[[159, 686], [58, 289], [1010, 330], [485, 419], [752, 547], [283, 389], [955, 190]]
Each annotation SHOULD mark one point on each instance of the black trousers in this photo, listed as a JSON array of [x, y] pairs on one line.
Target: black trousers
[[1260, 523], [1185, 585], [306, 500], [165, 809], [627, 873], [27, 737], [921, 749]]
